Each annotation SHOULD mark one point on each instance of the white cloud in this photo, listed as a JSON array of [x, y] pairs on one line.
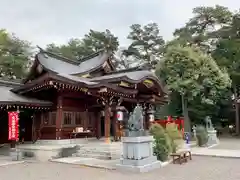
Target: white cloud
[[46, 21]]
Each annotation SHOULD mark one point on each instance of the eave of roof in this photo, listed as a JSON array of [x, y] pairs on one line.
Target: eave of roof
[[8, 97], [136, 76], [9, 83], [73, 80]]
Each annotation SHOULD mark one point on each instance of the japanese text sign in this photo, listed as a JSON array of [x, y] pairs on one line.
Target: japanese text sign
[[13, 125]]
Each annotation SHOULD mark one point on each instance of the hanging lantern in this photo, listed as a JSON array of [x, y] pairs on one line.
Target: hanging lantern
[[150, 114], [102, 113], [151, 117], [119, 115]]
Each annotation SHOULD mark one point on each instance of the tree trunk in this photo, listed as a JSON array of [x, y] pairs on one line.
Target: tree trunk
[[236, 111], [187, 123]]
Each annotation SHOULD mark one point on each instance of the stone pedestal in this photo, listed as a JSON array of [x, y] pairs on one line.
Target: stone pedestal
[[138, 155], [212, 137], [16, 154]]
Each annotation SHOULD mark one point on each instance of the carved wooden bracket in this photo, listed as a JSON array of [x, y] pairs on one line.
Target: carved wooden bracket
[[110, 100]]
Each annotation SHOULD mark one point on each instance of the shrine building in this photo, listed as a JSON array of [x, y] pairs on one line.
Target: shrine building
[[62, 99]]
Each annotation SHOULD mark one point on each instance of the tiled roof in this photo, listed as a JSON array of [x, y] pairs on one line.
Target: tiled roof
[[58, 65], [134, 75], [8, 97]]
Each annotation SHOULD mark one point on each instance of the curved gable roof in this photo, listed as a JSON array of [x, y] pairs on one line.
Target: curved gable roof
[[133, 76], [58, 65], [62, 65]]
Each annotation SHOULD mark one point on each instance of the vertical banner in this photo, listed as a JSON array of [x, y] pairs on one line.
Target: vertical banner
[[13, 126]]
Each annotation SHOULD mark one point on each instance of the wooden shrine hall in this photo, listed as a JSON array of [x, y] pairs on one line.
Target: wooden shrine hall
[[73, 99]]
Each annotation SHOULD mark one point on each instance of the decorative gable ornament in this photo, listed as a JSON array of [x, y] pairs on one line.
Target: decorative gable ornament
[[39, 68]]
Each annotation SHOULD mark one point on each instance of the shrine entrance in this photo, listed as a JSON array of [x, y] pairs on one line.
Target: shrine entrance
[[25, 125], [3, 127]]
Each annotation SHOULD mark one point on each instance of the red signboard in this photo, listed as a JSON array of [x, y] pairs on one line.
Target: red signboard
[[13, 126]]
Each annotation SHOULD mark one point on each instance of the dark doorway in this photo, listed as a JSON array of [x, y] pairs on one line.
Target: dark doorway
[[25, 122], [25, 125], [3, 127]]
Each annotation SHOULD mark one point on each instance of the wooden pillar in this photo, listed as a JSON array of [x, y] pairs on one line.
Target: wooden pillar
[[116, 125], [59, 117], [107, 123]]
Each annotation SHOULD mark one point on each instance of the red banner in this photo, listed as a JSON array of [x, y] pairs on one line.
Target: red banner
[[13, 126]]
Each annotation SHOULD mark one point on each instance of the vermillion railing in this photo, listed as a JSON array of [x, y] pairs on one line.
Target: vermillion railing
[[179, 121]]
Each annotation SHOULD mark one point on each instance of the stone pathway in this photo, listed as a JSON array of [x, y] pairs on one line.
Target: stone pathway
[[6, 160], [200, 168], [227, 148], [232, 143], [89, 162], [224, 153]]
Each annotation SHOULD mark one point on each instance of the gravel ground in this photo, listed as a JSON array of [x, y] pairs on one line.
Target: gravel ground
[[200, 168]]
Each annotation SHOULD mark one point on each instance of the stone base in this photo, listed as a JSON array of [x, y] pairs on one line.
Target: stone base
[[16, 154], [212, 138], [141, 162], [137, 169], [138, 155]]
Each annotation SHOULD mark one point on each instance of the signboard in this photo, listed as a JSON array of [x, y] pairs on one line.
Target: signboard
[[13, 126], [119, 115]]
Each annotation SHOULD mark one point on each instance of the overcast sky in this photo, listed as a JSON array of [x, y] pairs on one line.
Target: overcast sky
[[46, 21]]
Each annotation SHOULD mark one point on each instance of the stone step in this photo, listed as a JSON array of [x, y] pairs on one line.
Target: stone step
[[101, 151], [98, 156]]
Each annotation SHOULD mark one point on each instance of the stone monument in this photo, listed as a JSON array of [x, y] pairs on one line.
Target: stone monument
[[212, 133], [137, 146]]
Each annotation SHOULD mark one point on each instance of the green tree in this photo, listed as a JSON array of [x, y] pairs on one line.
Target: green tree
[[146, 44], [199, 28], [191, 73], [92, 42], [227, 55], [14, 55], [73, 49], [95, 41], [209, 29]]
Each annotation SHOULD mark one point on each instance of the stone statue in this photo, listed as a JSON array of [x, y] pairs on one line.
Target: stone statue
[[135, 122], [212, 133], [208, 122], [137, 153]]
